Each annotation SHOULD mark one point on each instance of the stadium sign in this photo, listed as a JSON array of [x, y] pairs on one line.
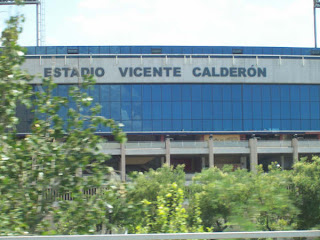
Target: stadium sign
[[177, 70]]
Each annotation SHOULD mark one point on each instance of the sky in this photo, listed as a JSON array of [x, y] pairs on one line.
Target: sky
[[283, 23]]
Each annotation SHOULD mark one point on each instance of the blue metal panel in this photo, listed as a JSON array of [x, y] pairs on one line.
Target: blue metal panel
[[104, 50], [125, 50], [167, 125], [247, 50], [157, 125], [166, 110], [83, 50], [176, 50], [93, 50], [114, 50], [315, 125], [62, 50], [277, 51], [41, 50], [217, 50], [257, 50], [51, 50], [287, 51], [136, 50], [267, 50], [197, 125], [227, 50], [237, 125], [296, 51], [305, 51], [305, 124], [207, 50], [186, 50], [166, 50], [197, 50], [146, 50], [31, 50], [207, 125]]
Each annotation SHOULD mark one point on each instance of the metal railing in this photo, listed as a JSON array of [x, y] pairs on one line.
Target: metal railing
[[172, 236]]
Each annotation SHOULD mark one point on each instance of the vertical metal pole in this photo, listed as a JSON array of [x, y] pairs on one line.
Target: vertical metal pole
[[315, 25], [37, 22]]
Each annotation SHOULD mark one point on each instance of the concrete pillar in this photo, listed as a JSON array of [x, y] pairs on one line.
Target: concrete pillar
[[243, 162], [123, 162], [203, 163], [162, 161], [282, 162], [211, 155], [295, 152], [168, 151], [253, 154]]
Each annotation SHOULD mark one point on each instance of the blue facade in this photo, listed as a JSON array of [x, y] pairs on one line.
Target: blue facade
[[194, 108], [170, 50]]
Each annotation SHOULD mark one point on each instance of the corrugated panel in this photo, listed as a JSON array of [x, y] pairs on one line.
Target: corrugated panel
[[41, 50], [125, 50], [296, 51], [136, 50], [227, 50], [247, 50], [186, 50], [94, 50], [104, 50], [277, 51], [267, 50], [217, 50], [83, 50], [61, 50], [114, 50], [257, 50], [176, 50], [287, 51], [31, 50], [51, 50]]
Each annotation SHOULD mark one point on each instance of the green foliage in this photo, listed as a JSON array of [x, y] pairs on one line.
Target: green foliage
[[148, 185], [169, 215], [243, 201], [305, 187]]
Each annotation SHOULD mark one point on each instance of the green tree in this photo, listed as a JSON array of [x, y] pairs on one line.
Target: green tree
[[305, 187], [52, 157], [243, 201], [169, 216]]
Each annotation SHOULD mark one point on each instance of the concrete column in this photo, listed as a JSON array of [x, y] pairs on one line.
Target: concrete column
[[211, 155], [295, 152], [243, 162], [168, 151], [253, 154], [123, 162], [162, 161], [203, 163], [282, 162]]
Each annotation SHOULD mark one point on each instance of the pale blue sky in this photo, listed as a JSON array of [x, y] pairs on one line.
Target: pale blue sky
[[171, 22]]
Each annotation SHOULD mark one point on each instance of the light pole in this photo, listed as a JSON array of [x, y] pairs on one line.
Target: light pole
[[38, 13], [316, 4]]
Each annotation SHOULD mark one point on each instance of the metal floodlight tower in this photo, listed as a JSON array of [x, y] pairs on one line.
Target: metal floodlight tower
[[40, 16], [316, 4]]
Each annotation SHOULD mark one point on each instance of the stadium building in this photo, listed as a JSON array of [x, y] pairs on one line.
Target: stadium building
[[198, 106]]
